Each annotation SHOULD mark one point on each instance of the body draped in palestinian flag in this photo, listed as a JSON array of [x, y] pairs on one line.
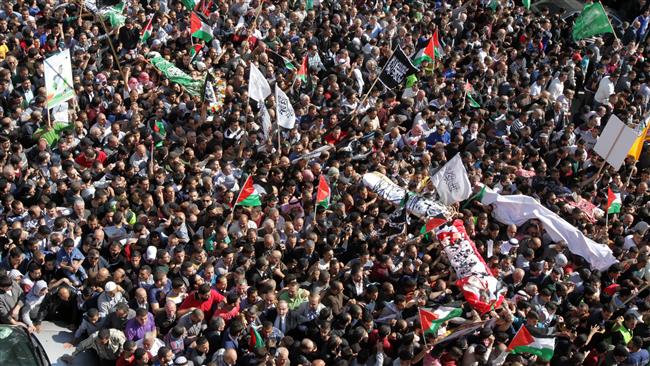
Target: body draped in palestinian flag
[[248, 196]]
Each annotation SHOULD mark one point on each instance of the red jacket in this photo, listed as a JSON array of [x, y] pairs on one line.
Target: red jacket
[[193, 301], [88, 163]]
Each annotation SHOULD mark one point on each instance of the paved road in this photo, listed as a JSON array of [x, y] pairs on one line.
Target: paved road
[[52, 337]]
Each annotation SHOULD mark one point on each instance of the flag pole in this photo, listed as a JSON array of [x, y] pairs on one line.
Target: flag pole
[[372, 86], [610, 24], [279, 143], [607, 224], [315, 206], [240, 191], [424, 335], [110, 43]]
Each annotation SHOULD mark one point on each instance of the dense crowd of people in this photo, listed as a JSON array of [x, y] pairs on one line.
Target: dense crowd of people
[[120, 223]]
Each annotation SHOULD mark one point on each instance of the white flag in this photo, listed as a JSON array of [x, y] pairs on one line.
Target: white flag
[[284, 110], [258, 87], [518, 209], [266, 121], [452, 182]]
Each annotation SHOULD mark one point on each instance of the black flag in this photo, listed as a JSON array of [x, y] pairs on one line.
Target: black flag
[[397, 68]]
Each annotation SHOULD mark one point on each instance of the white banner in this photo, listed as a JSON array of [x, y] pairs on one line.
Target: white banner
[[452, 182], [266, 121], [60, 113], [415, 204], [258, 87], [518, 209], [615, 142], [58, 79], [284, 110]]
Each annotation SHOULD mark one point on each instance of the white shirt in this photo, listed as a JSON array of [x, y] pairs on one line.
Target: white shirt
[[629, 242], [605, 89], [556, 88]]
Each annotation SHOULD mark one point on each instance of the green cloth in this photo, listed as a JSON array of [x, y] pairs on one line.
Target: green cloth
[[115, 15], [592, 21], [194, 87], [52, 135]]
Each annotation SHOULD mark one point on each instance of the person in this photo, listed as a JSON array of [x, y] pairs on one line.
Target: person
[[145, 195], [284, 319], [107, 344], [11, 301], [34, 311], [109, 299], [140, 325], [90, 324], [127, 358], [204, 298]]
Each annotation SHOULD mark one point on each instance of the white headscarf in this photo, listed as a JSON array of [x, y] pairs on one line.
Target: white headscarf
[[34, 297]]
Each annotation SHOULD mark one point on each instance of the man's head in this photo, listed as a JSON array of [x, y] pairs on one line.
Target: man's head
[[104, 336]]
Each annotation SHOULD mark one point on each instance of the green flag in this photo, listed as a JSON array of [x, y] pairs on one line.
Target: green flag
[[592, 21], [411, 80], [115, 15], [472, 102], [526, 4], [309, 5], [190, 4], [193, 86], [478, 196], [493, 4]]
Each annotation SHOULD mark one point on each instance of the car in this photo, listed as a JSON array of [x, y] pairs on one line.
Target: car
[[570, 9], [21, 348]]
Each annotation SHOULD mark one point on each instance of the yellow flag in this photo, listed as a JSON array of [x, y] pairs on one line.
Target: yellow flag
[[642, 131]]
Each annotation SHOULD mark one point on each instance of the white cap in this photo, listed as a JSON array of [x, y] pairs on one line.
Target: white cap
[[151, 253], [110, 286]]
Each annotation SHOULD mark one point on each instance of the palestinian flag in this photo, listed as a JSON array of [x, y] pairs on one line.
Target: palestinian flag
[[302, 72], [159, 133], [613, 201], [431, 51], [469, 90], [324, 193], [432, 320], [199, 29], [432, 224], [195, 50], [533, 342], [255, 340], [281, 61], [205, 7], [146, 31], [288, 64], [248, 196]]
